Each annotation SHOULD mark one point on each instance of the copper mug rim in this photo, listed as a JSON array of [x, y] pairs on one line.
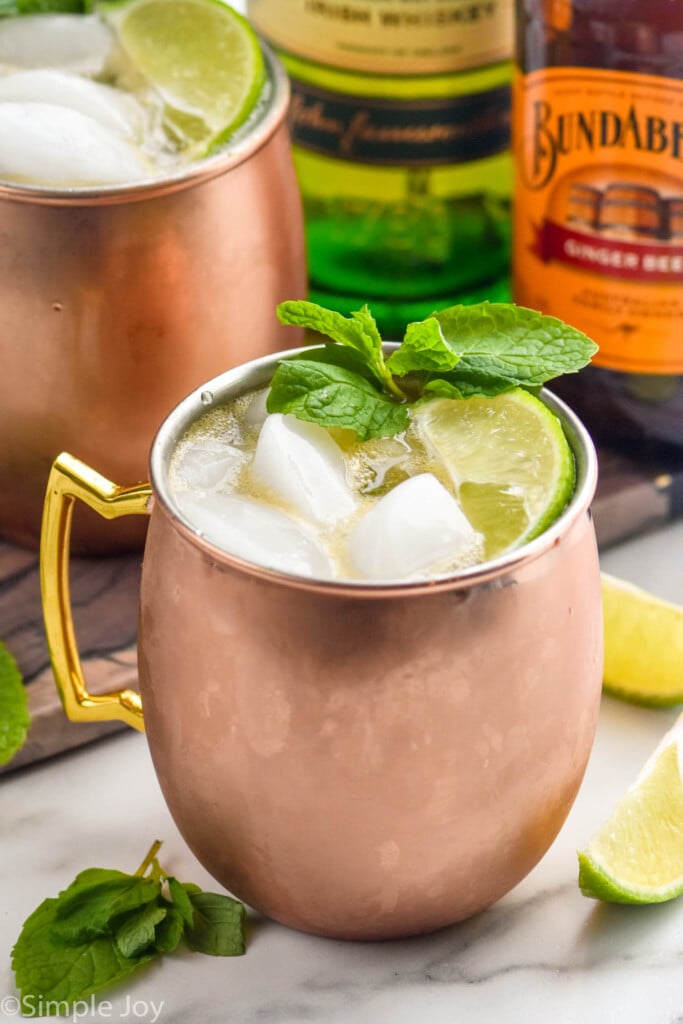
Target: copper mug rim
[[258, 372], [248, 139]]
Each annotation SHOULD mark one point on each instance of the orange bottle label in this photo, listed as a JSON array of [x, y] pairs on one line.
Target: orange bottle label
[[598, 220]]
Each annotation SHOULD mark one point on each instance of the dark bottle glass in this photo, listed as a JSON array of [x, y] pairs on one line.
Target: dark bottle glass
[[598, 228]]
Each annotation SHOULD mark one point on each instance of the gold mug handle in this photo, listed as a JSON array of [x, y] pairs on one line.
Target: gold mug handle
[[71, 479]]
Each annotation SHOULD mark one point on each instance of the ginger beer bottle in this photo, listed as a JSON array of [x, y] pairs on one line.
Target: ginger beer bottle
[[598, 226], [400, 120]]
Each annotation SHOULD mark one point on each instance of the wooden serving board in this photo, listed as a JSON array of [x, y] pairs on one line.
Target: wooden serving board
[[104, 595], [632, 498]]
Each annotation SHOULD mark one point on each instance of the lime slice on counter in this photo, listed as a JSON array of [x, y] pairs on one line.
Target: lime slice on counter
[[637, 855], [201, 56], [643, 645], [508, 460]]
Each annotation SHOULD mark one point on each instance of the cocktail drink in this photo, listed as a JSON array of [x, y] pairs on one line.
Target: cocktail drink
[[353, 466], [92, 100], [146, 190], [362, 728]]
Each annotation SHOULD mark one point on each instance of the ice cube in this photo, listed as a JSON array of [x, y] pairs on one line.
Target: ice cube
[[304, 466], [417, 529], [255, 414], [256, 533], [75, 41], [46, 145], [113, 108], [207, 463]]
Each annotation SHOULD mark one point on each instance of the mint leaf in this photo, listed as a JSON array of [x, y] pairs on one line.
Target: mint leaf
[[334, 397], [218, 925], [169, 931], [358, 332], [424, 348], [137, 932], [181, 899], [14, 716], [366, 321], [502, 341], [46, 968], [468, 382], [338, 355], [95, 897], [427, 358]]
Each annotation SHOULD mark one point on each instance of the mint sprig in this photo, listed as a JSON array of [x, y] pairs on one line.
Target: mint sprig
[[460, 352], [14, 716], [107, 924], [358, 332]]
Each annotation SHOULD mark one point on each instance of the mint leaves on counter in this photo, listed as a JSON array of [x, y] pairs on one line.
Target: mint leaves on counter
[[460, 352], [107, 924], [14, 716]]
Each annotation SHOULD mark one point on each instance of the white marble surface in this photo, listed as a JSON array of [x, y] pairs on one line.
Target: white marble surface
[[543, 954]]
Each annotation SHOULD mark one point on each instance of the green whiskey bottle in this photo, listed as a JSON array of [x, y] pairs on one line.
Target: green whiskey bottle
[[400, 122]]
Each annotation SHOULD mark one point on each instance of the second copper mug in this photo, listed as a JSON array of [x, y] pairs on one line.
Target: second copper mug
[[117, 301], [358, 760]]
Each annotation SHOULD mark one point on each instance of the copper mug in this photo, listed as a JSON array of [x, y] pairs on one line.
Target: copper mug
[[356, 760], [116, 301]]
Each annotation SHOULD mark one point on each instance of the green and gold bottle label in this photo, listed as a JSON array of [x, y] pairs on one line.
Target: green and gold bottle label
[[395, 37], [410, 133]]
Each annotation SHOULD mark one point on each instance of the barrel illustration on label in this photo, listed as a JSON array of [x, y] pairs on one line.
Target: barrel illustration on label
[[631, 210], [621, 229]]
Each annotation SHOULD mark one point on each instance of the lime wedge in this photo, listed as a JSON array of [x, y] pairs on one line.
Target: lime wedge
[[508, 460], [203, 59], [643, 645], [637, 855]]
